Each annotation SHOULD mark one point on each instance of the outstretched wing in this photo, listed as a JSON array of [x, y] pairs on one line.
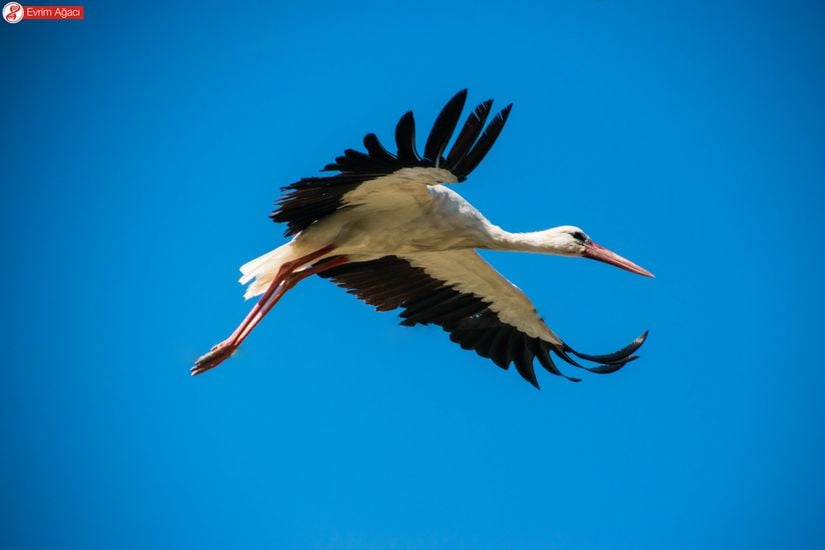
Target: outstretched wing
[[481, 310], [311, 199]]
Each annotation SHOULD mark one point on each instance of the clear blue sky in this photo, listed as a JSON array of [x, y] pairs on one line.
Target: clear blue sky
[[142, 150]]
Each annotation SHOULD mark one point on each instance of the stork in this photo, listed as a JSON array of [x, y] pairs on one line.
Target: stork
[[388, 230]]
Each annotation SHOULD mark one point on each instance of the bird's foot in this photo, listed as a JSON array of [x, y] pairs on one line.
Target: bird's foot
[[217, 355]]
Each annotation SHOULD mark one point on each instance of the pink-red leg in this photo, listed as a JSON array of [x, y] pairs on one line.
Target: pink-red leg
[[287, 277], [283, 272], [291, 280]]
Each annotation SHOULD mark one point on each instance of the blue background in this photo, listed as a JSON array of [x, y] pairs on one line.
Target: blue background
[[142, 150]]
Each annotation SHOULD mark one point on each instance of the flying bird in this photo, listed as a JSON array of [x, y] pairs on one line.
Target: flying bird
[[387, 229]]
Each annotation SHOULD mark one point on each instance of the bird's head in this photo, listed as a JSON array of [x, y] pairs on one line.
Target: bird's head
[[569, 240]]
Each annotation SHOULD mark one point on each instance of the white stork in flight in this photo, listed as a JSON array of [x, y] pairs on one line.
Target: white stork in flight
[[388, 230]]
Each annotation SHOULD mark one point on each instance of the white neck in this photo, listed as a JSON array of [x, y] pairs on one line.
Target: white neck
[[550, 241]]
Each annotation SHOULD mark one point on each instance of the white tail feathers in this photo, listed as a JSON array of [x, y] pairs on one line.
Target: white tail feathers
[[263, 269]]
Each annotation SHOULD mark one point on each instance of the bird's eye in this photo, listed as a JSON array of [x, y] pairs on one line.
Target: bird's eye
[[579, 236]]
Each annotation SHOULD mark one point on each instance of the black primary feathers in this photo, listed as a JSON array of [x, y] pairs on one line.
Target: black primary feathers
[[392, 282], [311, 199]]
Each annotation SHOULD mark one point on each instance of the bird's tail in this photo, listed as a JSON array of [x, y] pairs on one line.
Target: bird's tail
[[263, 270]]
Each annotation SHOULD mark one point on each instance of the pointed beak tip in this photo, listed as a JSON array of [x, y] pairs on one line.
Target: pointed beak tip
[[640, 271], [598, 252]]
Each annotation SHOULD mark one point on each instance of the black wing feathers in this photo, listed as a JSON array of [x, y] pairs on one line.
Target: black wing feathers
[[311, 199], [391, 282], [485, 142], [469, 133], [377, 152], [405, 140], [444, 127]]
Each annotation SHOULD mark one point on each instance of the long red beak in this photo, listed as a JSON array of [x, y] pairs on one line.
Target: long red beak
[[598, 252]]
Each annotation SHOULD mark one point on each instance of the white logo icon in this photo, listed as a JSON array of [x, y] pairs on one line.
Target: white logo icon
[[13, 12]]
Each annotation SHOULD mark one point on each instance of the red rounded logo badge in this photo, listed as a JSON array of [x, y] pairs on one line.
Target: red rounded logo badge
[[13, 12]]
